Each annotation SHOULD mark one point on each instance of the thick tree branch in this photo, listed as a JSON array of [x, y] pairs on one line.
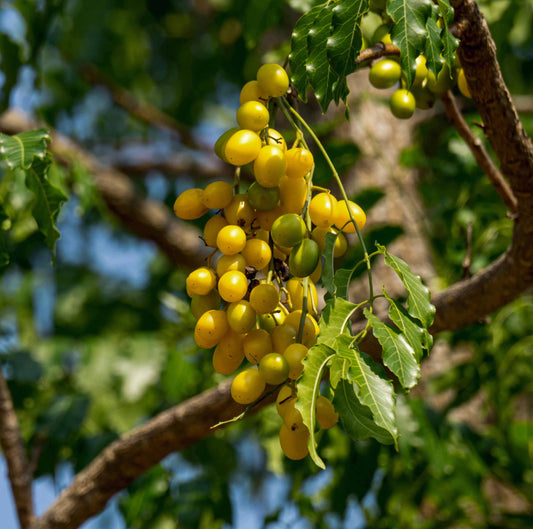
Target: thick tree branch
[[480, 154], [145, 217], [132, 455], [12, 445]]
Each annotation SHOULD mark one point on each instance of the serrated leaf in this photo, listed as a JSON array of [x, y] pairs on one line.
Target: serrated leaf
[[48, 201], [343, 278], [409, 327], [374, 390], [335, 320], [449, 42], [408, 31], [345, 41], [308, 390], [398, 355], [446, 11], [19, 150], [433, 51], [418, 295], [328, 270], [336, 369], [357, 419], [320, 73], [299, 50]]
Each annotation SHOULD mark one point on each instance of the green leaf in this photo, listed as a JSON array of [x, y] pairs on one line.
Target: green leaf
[[328, 269], [343, 278], [4, 254], [299, 50], [335, 320], [433, 51], [320, 73], [20, 150], [418, 295], [308, 390], [408, 31], [408, 326], [449, 42], [48, 201], [345, 41], [375, 391], [357, 419], [398, 355]]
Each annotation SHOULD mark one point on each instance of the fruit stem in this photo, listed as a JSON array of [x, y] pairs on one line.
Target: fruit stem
[[343, 192], [305, 288]]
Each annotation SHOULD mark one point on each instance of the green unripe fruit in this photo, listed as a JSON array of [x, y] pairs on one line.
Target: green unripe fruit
[[262, 198], [402, 104], [304, 258], [288, 230], [385, 73]]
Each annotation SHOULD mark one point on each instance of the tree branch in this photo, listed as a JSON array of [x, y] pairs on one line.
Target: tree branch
[[132, 455], [375, 52], [145, 217], [12, 445], [480, 154]]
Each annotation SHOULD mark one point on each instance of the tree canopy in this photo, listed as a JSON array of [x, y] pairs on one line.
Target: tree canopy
[[110, 110]]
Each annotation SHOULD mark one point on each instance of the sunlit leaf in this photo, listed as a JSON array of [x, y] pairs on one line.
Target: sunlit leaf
[[335, 320], [398, 355], [19, 150], [308, 390], [408, 31]]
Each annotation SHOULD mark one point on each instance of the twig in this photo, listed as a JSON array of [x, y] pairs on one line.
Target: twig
[[467, 261], [375, 52], [478, 150], [12, 445]]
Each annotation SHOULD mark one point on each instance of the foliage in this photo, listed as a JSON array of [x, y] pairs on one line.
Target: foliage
[[102, 341]]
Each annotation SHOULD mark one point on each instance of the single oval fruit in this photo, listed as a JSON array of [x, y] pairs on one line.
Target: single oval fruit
[[304, 258], [189, 205], [273, 80], [242, 147], [274, 368], [288, 230], [402, 104], [384, 74], [247, 386], [253, 115], [269, 166], [262, 198]]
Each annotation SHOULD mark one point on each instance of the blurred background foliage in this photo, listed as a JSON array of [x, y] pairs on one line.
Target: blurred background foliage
[[103, 340]]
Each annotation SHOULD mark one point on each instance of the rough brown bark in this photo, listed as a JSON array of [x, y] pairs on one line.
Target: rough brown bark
[[13, 449]]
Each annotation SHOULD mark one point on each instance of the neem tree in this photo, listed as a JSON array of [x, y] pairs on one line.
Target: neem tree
[[254, 296]]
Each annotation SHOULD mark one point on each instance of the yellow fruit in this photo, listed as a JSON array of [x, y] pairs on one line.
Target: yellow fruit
[[189, 205]]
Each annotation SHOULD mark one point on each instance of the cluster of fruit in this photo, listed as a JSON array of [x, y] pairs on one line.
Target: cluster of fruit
[[259, 301], [387, 72]]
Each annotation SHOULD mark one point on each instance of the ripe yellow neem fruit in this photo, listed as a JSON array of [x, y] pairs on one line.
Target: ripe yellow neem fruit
[[257, 253], [282, 336], [201, 304], [322, 210], [242, 147], [294, 443], [200, 281], [217, 195], [220, 144], [211, 229], [256, 344], [264, 298], [273, 80], [294, 354], [285, 400], [189, 205], [275, 138], [228, 354], [232, 286], [311, 328], [462, 84], [230, 262], [231, 239], [342, 216], [240, 213], [253, 115], [299, 162], [292, 194], [210, 328], [247, 386], [326, 415], [241, 316], [251, 92], [274, 368], [296, 294], [269, 166]]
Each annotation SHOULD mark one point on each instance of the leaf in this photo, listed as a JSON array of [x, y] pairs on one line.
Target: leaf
[[357, 419], [343, 278], [320, 73], [375, 391], [398, 355], [408, 31], [4, 254], [335, 320], [449, 42], [345, 41], [418, 295], [433, 51], [408, 326], [48, 201], [20, 150], [308, 390], [299, 50], [328, 269]]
